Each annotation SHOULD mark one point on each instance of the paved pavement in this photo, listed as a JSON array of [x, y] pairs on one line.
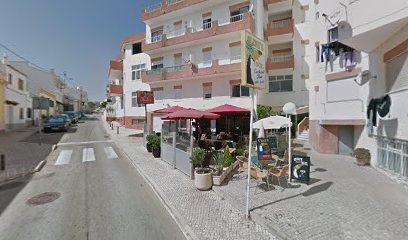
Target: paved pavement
[[343, 201], [87, 190], [204, 215], [23, 152]]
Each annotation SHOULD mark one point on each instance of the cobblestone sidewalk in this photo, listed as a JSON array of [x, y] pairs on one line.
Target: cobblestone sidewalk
[[343, 201], [205, 215]]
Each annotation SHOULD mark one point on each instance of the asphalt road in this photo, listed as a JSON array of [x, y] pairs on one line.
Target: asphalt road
[[93, 192]]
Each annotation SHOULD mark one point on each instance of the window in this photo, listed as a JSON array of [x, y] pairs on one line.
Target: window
[[239, 91], [158, 95], [158, 64], [51, 103], [317, 54], [10, 78], [28, 112], [281, 83], [136, 48], [134, 100], [237, 15], [157, 36], [178, 60], [20, 84], [235, 54], [138, 121], [333, 34], [137, 71], [207, 23], [21, 113], [178, 93], [207, 59], [207, 89]]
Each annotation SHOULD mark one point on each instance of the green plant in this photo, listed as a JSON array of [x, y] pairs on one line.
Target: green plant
[[103, 105], [228, 159], [362, 156], [219, 161], [240, 152], [149, 137], [155, 141], [198, 156], [263, 111]]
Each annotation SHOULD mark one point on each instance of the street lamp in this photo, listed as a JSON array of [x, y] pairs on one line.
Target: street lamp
[[289, 109], [79, 88]]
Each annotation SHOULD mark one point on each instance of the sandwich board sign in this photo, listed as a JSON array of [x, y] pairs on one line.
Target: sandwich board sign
[[300, 168]]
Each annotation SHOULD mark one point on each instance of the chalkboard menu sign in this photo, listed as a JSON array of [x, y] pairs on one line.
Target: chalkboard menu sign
[[300, 168], [265, 146]]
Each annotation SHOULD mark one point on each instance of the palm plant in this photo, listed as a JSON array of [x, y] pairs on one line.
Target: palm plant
[[219, 161]]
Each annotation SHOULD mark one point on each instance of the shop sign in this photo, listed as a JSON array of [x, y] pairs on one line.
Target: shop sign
[[145, 97], [253, 61], [300, 168]]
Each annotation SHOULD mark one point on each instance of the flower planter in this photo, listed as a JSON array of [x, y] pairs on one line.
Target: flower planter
[[156, 152], [203, 179], [149, 147], [218, 180], [362, 162]]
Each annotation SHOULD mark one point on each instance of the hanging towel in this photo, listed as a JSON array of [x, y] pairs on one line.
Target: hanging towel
[[349, 59], [325, 53]]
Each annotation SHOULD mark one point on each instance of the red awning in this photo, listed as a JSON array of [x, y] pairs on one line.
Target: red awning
[[228, 109], [190, 114], [170, 109]]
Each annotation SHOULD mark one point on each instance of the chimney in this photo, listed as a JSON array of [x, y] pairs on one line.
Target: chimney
[[5, 59]]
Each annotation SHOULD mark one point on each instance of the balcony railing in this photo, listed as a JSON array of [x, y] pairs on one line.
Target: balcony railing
[[230, 60], [202, 27], [170, 2], [153, 8], [154, 72], [205, 64], [281, 23], [176, 68], [282, 58], [176, 33], [157, 38], [284, 26], [280, 62]]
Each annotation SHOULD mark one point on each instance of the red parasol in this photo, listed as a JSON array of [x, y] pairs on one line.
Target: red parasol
[[170, 109], [191, 114], [228, 109]]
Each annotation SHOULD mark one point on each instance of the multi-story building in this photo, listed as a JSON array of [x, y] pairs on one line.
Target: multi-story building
[[359, 78], [2, 97], [195, 52], [125, 80], [17, 103]]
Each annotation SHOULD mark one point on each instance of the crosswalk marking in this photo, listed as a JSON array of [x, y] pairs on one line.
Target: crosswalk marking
[[88, 155], [64, 157], [110, 153]]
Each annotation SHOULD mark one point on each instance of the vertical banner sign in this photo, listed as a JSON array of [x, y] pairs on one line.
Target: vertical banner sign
[[300, 168], [253, 61]]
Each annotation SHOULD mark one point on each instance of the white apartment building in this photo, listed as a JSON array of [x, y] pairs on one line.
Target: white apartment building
[[359, 79], [125, 80], [17, 102], [195, 52]]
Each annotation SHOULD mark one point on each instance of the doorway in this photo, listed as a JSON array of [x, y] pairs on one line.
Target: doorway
[[346, 140]]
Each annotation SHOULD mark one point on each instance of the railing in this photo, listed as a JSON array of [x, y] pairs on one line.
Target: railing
[[202, 27], [176, 68], [176, 33], [153, 8], [232, 19], [230, 60], [154, 72], [303, 125], [157, 38], [282, 58], [205, 64], [170, 2], [281, 23]]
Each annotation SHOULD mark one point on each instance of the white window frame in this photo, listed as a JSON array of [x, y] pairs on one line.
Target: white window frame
[[240, 90], [137, 71], [158, 95], [284, 78], [207, 90]]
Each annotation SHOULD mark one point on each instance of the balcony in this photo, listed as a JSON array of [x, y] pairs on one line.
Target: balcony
[[115, 90], [280, 62], [206, 68], [280, 31], [231, 24], [276, 6], [166, 6]]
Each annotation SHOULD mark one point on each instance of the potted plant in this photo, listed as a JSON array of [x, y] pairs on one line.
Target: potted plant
[[155, 141], [362, 156], [149, 142], [218, 159], [202, 176]]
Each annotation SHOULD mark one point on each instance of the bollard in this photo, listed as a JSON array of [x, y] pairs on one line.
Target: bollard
[[112, 125], [117, 130], [2, 162]]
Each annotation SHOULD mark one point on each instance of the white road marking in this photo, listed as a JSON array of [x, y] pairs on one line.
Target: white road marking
[[88, 155], [82, 143], [110, 153], [64, 157]]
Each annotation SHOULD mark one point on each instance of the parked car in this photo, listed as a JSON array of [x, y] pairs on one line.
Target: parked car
[[57, 123], [73, 116], [79, 115], [66, 117]]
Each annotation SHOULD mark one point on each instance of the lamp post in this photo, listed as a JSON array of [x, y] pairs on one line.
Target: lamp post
[[79, 88], [289, 109]]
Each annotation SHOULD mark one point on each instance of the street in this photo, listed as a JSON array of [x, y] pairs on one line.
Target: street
[[89, 191]]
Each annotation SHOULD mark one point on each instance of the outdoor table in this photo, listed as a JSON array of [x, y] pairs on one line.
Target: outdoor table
[[262, 164]]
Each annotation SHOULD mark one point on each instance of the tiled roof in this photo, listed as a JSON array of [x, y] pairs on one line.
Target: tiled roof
[[134, 38]]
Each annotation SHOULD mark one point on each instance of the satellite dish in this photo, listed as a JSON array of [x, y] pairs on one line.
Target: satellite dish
[[251, 8], [345, 30]]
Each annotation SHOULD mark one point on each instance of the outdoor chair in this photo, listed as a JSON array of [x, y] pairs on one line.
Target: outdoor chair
[[280, 174], [259, 177], [242, 163], [285, 159]]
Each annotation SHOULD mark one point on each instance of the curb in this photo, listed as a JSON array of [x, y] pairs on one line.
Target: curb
[[185, 229], [40, 165]]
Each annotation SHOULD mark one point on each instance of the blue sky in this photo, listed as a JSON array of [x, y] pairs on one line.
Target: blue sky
[[77, 36]]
